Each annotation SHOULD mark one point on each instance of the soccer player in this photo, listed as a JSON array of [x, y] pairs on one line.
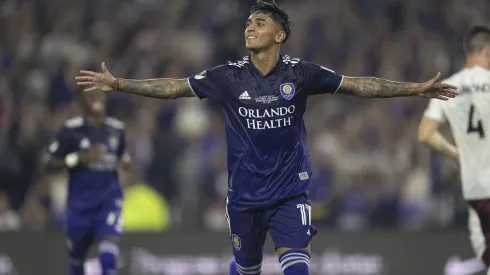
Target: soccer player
[[264, 98], [91, 147], [469, 118]]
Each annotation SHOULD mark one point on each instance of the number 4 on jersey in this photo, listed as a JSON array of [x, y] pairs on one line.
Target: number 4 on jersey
[[475, 125]]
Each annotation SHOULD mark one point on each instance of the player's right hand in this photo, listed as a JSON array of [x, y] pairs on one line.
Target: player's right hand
[[92, 81], [93, 153]]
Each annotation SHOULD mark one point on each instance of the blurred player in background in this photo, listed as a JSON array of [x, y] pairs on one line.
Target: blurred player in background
[[469, 118], [264, 99], [91, 148]]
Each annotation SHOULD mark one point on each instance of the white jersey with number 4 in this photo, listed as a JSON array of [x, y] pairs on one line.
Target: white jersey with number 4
[[469, 117]]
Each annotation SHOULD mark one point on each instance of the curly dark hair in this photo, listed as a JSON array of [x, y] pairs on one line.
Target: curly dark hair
[[270, 8]]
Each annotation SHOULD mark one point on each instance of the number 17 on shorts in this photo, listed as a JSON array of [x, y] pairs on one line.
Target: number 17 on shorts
[[305, 210]]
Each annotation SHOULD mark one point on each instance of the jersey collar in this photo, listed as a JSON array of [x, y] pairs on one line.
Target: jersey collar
[[278, 65]]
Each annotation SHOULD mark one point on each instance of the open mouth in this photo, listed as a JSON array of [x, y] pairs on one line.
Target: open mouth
[[250, 37]]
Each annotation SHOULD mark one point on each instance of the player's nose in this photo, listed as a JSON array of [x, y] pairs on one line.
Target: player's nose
[[250, 29]]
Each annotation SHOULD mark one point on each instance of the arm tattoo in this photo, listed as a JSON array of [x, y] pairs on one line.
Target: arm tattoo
[[165, 88], [377, 87]]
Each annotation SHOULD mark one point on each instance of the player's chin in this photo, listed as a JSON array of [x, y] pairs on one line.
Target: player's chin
[[252, 46]]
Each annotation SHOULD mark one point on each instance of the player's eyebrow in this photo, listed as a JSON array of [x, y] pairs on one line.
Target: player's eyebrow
[[262, 20]]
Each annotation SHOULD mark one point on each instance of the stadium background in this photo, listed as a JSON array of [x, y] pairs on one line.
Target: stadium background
[[369, 172]]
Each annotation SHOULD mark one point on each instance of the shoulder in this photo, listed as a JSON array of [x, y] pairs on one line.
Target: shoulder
[[291, 61], [74, 122], [239, 64], [455, 78], [70, 127], [213, 72], [468, 75], [305, 65], [482, 73], [224, 69], [114, 123]]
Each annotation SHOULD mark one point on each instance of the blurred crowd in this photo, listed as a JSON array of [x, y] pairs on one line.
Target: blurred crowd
[[369, 171]]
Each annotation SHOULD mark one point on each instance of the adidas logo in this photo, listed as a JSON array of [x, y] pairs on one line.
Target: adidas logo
[[244, 96]]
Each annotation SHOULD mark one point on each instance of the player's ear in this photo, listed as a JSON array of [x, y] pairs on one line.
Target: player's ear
[[281, 35]]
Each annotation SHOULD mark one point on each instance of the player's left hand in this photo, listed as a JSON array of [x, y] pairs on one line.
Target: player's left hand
[[435, 89]]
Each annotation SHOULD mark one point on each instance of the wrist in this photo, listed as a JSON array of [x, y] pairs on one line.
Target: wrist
[[418, 89], [72, 160], [116, 84]]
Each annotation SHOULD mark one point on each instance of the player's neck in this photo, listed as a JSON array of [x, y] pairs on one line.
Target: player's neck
[[473, 61], [95, 121], [265, 61]]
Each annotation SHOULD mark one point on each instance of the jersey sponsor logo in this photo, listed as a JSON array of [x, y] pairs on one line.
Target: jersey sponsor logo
[[108, 162], [287, 90], [237, 243], [303, 176], [266, 99], [244, 95], [257, 118]]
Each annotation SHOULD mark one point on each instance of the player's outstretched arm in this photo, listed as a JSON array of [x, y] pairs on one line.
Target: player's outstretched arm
[[164, 88], [376, 87], [430, 136]]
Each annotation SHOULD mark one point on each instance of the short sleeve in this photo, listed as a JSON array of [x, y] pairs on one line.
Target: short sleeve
[[318, 79], [59, 148], [208, 83], [435, 110]]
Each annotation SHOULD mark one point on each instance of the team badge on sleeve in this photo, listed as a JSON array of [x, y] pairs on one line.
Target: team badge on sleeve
[[237, 243], [287, 90]]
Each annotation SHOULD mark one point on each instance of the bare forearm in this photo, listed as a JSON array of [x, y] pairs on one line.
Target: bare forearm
[[439, 144], [377, 87], [164, 88]]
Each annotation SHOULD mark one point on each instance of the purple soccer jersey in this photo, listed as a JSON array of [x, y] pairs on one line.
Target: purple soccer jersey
[[268, 154]]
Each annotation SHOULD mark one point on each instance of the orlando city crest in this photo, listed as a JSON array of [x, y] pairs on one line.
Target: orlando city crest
[[237, 243], [287, 90]]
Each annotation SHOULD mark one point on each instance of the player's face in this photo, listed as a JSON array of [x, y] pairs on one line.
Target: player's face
[[93, 103], [262, 32]]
